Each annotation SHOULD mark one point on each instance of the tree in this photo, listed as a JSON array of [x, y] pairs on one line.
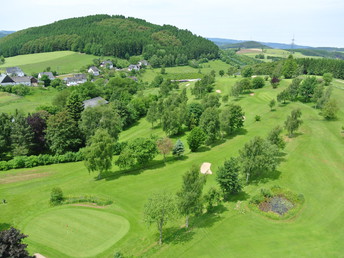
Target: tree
[[293, 122], [137, 152], [236, 90], [231, 70], [275, 138], [189, 198], [46, 80], [211, 100], [38, 124], [330, 110], [164, 146], [194, 112], [247, 71], [228, 177], [221, 73], [289, 67], [153, 113], [212, 197], [258, 82], [272, 103], [231, 118], [160, 209], [98, 154], [257, 157], [325, 97], [178, 149], [74, 106], [283, 96], [56, 196], [210, 123], [306, 88], [5, 134], [62, 133], [196, 138], [317, 95], [274, 82], [105, 117], [327, 77], [11, 244], [21, 136]]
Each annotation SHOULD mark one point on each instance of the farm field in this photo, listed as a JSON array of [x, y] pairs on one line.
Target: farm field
[[27, 104], [312, 166], [59, 61]]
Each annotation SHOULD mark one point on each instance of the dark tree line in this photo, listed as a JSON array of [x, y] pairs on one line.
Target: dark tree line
[[111, 36]]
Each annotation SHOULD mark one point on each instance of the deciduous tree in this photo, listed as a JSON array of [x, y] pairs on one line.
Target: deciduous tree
[[196, 138], [293, 122], [11, 244], [228, 177]]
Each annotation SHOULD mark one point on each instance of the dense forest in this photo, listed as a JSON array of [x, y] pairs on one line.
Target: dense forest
[[321, 52], [105, 35]]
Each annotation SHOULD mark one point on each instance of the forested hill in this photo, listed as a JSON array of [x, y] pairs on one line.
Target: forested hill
[[110, 36]]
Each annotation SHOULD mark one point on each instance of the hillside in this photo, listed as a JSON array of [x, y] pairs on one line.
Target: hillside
[[4, 33], [246, 44], [105, 35]]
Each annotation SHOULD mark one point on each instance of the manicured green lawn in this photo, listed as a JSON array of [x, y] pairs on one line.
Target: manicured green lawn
[[69, 230], [312, 166], [60, 61]]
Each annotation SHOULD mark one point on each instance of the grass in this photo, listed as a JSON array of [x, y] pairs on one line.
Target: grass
[[60, 61], [68, 230], [312, 166], [27, 104]]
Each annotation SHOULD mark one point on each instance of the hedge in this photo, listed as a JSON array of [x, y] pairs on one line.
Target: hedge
[[40, 160]]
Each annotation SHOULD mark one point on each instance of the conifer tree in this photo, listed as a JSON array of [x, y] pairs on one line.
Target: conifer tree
[[75, 106], [178, 149]]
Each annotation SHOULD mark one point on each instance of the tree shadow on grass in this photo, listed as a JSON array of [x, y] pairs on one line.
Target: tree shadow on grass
[[241, 196], [240, 131], [4, 226], [177, 235], [208, 219], [266, 177], [203, 149], [155, 164]]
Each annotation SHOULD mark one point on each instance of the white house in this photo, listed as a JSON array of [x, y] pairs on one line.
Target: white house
[[106, 64], [94, 70], [49, 74], [6, 80], [15, 71], [133, 67], [75, 80]]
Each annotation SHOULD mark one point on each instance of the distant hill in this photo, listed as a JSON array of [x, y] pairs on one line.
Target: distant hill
[[221, 42], [105, 35], [4, 33], [321, 52], [245, 44]]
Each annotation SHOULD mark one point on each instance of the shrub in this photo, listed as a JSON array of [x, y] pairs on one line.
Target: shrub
[[56, 196], [266, 193], [257, 118], [212, 198]]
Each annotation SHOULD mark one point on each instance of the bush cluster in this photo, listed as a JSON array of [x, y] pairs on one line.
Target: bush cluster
[[40, 160]]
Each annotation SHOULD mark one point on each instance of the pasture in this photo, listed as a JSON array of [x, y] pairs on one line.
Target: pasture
[[61, 61], [312, 165]]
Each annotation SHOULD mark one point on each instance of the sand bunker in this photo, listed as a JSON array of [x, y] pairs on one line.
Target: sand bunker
[[205, 168], [37, 255], [218, 91]]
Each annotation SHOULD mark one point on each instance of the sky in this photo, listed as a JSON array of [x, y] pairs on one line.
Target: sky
[[311, 22]]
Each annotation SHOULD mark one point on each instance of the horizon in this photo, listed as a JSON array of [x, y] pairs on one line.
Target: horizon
[[263, 22]]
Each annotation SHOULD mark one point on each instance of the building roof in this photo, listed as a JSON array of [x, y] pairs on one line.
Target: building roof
[[94, 102], [23, 79], [94, 69], [106, 62], [4, 78], [12, 70], [49, 74]]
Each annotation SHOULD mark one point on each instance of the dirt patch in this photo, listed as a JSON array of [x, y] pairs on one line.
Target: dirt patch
[[90, 205], [205, 168], [276, 204], [22, 177], [251, 94]]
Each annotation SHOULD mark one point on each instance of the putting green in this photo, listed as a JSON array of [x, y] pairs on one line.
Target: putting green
[[75, 231]]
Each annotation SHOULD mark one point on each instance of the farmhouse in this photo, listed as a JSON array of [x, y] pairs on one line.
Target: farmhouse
[[6, 80], [133, 67], [49, 74], [95, 102], [14, 71], [106, 64], [94, 70], [143, 63], [75, 80], [25, 80]]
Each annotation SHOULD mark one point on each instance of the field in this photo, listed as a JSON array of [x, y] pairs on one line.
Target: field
[[312, 165], [27, 104], [60, 61], [282, 53]]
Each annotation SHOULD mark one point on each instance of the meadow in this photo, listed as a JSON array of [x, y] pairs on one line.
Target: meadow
[[312, 165], [60, 61]]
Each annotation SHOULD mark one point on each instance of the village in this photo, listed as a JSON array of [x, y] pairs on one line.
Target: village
[[16, 76]]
